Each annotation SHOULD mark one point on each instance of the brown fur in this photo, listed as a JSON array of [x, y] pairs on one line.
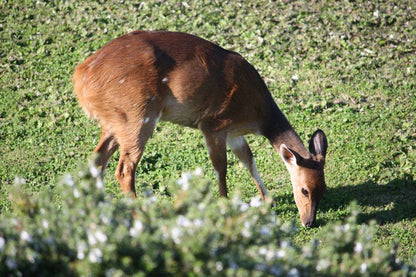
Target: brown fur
[[139, 78]]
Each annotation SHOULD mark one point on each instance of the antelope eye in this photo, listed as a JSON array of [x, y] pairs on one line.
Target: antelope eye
[[304, 192]]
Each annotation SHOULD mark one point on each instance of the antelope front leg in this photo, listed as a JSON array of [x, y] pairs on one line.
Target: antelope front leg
[[216, 145], [241, 149]]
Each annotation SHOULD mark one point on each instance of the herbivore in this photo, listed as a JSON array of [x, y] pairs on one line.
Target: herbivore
[[146, 76]]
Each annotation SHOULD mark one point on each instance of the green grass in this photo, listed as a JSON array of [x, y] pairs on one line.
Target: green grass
[[356, 67]]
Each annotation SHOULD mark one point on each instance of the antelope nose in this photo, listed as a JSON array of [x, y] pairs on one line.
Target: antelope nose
[[309, 223]]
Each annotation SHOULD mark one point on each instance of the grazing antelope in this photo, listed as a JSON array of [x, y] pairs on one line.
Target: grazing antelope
[[146, 76]]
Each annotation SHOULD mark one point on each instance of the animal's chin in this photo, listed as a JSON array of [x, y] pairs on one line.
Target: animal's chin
[[308, 223]]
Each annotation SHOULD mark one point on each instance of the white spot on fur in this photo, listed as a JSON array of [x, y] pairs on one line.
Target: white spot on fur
[[122, 81], [154, 121], [165, 80]]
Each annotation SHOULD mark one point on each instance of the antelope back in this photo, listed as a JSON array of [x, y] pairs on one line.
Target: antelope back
[[185, 77]]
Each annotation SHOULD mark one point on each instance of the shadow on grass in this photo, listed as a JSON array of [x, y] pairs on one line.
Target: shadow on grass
[[388, 203]]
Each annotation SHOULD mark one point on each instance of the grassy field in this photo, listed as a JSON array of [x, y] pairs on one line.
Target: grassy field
[[355, 64]]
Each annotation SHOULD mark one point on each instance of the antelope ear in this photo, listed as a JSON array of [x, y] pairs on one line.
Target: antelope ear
[[288, 155], [318, 143]]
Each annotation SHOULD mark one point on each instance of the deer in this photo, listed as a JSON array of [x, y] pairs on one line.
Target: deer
[[144, 77]]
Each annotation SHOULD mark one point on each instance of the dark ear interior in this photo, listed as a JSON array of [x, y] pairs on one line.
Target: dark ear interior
[[318, 143]]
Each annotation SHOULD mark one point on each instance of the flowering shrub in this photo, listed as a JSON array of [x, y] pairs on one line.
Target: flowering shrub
[[192, 233]]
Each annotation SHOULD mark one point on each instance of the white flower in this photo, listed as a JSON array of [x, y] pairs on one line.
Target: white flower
[[96, 236], [183, 221], [76, 193], [295, 78], [202, 206], [285, 244], [95, 172], [176, 234], [219, 266], [81, 247], [269, 255], [101, 237], [244, 207], [265, 230], [293, 272], [198, 222], [68, 180], [80, 255], [260, 39], [184, 180], [358, 247], [281, 253], [99, 184], [25, 236], [262, 251], [106, 220], [45, 223], [151, 199], [136, 229], [347, 227], [95, 255], [322, 265], [255, 202], [2, 243], [363, 268], [91, 239], [199, 172], [246, 232], [19, 180]]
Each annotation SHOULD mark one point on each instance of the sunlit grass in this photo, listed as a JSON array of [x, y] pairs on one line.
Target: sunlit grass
[[355, 65]]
